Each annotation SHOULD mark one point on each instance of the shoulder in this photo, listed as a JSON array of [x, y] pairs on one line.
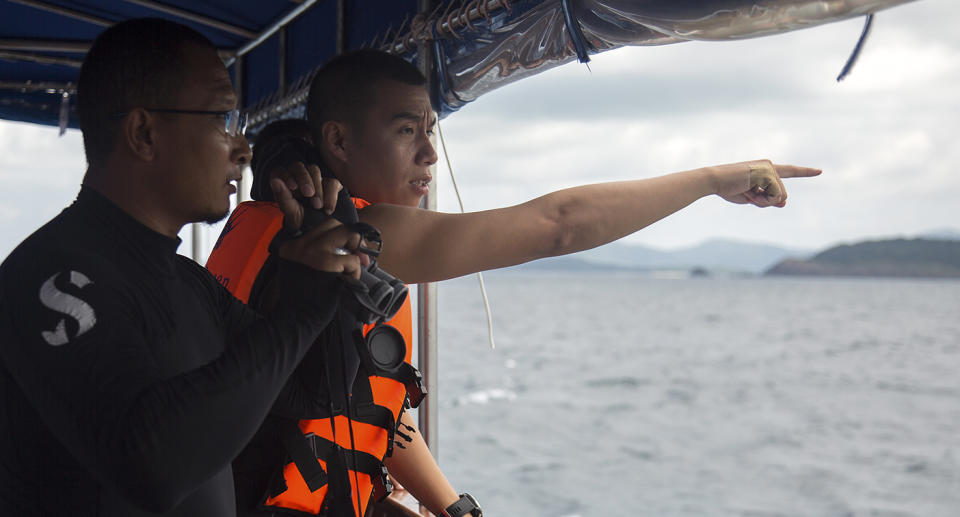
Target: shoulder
[[192, 271], [52, 250], [55, 294]]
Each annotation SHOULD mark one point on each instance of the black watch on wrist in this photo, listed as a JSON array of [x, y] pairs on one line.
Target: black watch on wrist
[[466, 505]]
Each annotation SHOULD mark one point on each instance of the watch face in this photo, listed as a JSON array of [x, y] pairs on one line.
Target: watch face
[[475, 511], [466, 505]]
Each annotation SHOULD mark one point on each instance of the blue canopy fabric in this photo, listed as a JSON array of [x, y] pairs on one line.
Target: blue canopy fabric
[[40, 50], [474, 46]]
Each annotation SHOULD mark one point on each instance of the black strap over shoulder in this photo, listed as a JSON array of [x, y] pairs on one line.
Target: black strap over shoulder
[[301, 453]]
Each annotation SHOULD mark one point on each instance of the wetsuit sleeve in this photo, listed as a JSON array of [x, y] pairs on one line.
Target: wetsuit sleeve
[[73, 340]]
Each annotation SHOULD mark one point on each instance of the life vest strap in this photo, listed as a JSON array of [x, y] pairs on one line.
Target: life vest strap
[[358, 461], [368, 412], [301, 453]]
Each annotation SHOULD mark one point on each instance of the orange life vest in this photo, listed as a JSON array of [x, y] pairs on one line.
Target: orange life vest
[[237, 259]]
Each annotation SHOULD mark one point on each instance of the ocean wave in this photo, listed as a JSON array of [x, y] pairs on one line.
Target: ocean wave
[[484, 397]]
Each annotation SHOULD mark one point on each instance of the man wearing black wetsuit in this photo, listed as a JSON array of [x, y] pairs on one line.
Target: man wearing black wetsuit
[[129, 377]]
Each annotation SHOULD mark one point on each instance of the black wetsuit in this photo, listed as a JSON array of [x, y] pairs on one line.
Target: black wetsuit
[[129, 378]]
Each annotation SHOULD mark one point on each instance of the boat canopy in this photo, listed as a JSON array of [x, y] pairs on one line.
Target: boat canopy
[[467, 47]]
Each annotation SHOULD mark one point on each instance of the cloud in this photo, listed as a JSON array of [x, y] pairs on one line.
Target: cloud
[[884, 136], [40, 174], [34, 156]]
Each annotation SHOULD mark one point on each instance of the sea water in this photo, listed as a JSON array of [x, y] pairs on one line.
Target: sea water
[[619, 394]]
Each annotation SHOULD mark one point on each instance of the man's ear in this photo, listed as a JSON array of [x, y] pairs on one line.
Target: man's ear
[[138, 134], [334, 136]]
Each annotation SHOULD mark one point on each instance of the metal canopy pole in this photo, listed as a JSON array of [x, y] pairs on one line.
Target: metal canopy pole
[[30, 86], [341, 43], [194, 17], [39, 45], [37, 58], [427, 295], [271, 30], [246, 179], [70, 13], [282, 60]]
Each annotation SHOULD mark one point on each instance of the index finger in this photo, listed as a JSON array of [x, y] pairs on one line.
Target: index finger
[[331, 189], [333, 237], [793, 171], [302, 178], [292, 212]]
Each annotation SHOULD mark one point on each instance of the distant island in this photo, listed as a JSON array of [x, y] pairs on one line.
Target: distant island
[[709, 257], [933, 254], [922, 257]]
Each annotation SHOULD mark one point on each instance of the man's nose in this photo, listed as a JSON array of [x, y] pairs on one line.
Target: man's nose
[[241, 151], [428, 153]]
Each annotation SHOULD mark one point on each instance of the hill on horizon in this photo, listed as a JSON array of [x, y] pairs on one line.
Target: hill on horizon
[[712, 255], [716, 255], [921, 257]]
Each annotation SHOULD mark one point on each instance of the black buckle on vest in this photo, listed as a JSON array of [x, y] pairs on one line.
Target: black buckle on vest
[[413, 380], [382, 487]]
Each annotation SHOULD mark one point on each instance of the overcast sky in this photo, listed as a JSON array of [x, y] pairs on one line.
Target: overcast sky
[[884, 137]]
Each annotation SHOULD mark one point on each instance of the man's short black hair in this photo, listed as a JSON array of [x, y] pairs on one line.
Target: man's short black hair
[[345, 86], [136, 63]]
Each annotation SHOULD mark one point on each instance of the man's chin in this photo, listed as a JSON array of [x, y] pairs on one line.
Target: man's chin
[[214, 217]]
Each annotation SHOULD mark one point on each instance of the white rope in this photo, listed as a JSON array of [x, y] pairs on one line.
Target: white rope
[[483, 289]]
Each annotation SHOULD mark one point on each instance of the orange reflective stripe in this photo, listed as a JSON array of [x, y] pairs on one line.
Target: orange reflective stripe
[[238, 256]]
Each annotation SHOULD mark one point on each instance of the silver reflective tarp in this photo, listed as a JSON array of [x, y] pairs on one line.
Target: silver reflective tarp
[[540, 35]]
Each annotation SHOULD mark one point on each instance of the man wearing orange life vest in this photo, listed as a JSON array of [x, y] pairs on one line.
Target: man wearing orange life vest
[[239, 260], [372, 131]]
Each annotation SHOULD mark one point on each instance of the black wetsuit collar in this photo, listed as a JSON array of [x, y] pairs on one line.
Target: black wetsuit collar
[[149, 246]]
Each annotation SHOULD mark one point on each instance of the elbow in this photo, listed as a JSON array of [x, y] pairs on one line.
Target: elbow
[[560, 234]]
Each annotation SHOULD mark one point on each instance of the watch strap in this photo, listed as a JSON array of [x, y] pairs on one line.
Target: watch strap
[[466, 505]]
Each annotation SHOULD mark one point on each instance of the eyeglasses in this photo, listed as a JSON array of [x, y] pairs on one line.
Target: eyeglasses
[[234, 121]]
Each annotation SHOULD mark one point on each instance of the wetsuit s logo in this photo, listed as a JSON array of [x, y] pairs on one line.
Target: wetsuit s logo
[[67, 304]]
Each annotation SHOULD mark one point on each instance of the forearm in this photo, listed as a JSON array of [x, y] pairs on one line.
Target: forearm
[[155, 438], [182, 429], [427, 246], [416, 469], [588, 216]]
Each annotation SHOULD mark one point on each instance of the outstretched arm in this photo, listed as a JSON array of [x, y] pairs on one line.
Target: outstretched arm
[[424, 246]]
